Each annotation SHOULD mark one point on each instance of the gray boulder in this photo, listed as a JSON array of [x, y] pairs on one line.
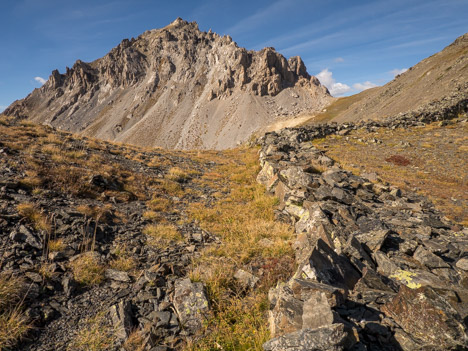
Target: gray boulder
[[191, 304]]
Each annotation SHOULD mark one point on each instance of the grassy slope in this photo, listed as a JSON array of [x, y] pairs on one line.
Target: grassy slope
[[431, 79], [436, 166], [223, 197]]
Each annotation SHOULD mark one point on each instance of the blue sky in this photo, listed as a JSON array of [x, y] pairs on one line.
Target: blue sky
[[349, 45]]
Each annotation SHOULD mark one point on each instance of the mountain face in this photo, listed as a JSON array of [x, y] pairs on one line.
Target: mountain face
[[175, 87], [441, 79]]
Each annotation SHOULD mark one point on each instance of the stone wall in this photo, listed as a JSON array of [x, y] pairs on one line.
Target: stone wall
[[378, 268]]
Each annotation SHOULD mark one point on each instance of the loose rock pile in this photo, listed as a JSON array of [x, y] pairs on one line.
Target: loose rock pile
[[378, 269], [154, 298]]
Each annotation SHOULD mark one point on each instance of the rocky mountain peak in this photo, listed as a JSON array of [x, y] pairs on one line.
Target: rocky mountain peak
[[176, 87]]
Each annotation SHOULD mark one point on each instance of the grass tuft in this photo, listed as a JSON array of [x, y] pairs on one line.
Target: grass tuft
[[35, 216], [95, 335], [13, 326], [56, 245], [162, 234], [88, 269], [13, 322]]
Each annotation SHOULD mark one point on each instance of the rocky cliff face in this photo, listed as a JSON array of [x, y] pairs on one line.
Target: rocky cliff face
[[175, 87]]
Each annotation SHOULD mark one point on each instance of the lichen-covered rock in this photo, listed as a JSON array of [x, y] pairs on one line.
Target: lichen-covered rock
[[428, 318], [329, 338], [191, 303]]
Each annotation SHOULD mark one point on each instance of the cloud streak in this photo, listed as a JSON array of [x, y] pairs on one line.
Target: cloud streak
[[40, 80], [261, 16]]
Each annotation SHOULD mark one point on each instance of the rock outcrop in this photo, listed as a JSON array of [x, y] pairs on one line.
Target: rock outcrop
[[378, 268], [175, 87]]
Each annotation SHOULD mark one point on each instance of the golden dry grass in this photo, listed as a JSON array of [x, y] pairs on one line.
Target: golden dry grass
[[88, 269], [160, 204], [123, 263], [153, 216], [135, 342], [94, 335], [161, 235], [11, 290], [241, 216], [13, 326], [334, 109], [35, 216], [13, 322], [56, 245]]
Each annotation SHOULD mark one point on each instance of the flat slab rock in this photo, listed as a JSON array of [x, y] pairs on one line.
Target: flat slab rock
[[428, 318]]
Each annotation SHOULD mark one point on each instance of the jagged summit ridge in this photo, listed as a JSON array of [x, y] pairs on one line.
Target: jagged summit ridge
[[175, 87]]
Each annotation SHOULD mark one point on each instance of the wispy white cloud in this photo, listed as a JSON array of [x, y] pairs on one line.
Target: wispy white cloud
[[398, 71], [415, 43], [255, 20], [339, 60], [311, 43], [336, 88], [2, 108], [40, 80], [364, 86]]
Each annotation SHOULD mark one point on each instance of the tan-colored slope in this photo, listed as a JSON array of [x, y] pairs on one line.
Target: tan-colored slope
[[432, 79], [175, 87]]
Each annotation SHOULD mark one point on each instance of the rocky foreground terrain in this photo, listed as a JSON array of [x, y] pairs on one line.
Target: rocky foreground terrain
[[292, 244], [175, 87], [111, 247]]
